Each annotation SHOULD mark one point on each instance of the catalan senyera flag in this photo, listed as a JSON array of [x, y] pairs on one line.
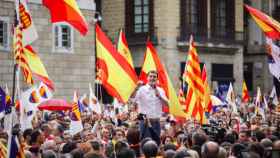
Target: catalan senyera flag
[[19, 55], [152, 62], [116, 74], [245, 93], [28, 28], [268, 25], [67, 11], [195, 95], [207, 103], [122, 48], [37, 67], [3, 150]]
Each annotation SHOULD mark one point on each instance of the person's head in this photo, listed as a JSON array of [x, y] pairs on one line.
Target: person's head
[[169, 154], [120, 145], [126, 153], [167, 140], [77, 153], [257, 148], [36, 137], [198, 139], [46, 129], [152, 77], [276, 145], [182, 153], [237, 149], [96, 146], [48, 154], [260, 135], [243, 136], [119, 134], [58, 131], [169, 146], [150, 149], [92, 155], [27, 135], [210, 150], [105, 134], [68, 147], [222, 153]]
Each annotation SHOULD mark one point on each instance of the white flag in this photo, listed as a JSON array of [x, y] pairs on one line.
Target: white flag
[[76, 125], [274, 97], [273, 58], [44, 92], [93, 102], [29, 33], [230, 98]]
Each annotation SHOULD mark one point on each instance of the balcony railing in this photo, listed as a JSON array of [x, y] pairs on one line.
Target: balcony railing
[[203, 35]]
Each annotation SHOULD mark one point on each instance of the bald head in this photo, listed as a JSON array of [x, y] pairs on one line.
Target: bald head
[[210, 150], [276, 145]]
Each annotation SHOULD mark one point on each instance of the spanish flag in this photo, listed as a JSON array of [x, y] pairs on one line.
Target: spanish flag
[[207, 103], [116, 74], [37, 67], [268, 25], [76, 125], [152, 62], [123, 48], [67, 11], [245, 93], [195, 95]]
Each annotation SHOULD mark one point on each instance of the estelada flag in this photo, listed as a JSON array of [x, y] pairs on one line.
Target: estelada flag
[[67, 11], [116, 74], [245, 93], [123, 48], [37, 67], [29, 32], [152, 62], [269, 26]]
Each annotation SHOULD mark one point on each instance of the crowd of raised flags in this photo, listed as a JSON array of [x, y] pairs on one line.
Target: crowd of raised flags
[[115, 71]]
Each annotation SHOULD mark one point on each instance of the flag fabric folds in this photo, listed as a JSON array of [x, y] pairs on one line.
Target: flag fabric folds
[[37, 67], [273, 54], [3, 150], [19, 55], [207, 103], [93, 102], [29, 32], [230, 98], [273, 96], [122, 47], [116, 74], [2, 103], [245, 93], [195, 95], [152, 62], [76, 125], [67, 11], [15, 148], [269, 26]]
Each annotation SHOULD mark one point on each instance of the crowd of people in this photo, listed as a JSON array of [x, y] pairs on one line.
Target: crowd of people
[[142, 130]]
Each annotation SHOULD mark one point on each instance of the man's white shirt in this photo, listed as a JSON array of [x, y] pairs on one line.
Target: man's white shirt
[[148, 103]]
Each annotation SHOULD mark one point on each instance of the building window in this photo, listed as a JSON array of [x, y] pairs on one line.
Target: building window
[[63, 38], [139, 17], [222, 18], [222, 73], [193, 18], [4, 33]]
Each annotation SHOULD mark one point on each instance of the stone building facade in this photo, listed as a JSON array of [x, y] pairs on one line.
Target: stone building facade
[[67, 55]]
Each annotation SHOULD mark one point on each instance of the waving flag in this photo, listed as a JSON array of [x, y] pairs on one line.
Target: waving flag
[[269, 26], [15, 149], [274, 97], [3, 150], [29, 32], [76, 125], [114, 71], [37, 67], [67, 11], [207, 98], [93, 102], [152, 62], [273, 54], [123, 48], [195, 95], [245, 93], [230, 98]]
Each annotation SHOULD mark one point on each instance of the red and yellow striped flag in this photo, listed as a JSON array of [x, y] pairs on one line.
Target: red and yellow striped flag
[[37, 67], [67, 11], [207, 103], [75, 109], [123, 48], [116, 74], [152, 62], [195, 95], [20, 57], [269, 26], [245, 93], [3, 150]]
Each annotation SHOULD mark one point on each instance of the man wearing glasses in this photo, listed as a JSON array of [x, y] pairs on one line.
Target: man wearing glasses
[[150, 99]]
